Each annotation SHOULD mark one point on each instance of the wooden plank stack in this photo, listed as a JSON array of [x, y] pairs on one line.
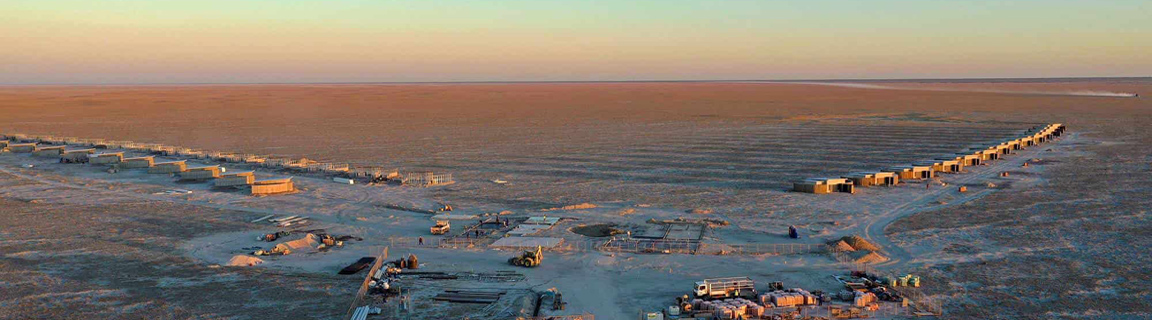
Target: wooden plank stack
[[469, 296]]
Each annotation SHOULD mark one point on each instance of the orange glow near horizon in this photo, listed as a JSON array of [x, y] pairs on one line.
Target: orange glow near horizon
[[352, 41]]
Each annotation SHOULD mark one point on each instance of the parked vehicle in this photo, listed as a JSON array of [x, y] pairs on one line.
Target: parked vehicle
[[725, 288], [441, 227]]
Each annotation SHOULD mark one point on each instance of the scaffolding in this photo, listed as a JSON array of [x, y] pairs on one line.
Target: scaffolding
[[427, 179]]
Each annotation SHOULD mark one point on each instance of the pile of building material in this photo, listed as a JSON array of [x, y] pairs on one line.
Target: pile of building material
[[861, 299], [788, 298], [362, 313], [244, 261], [730, 308], [284, 221], [309, 243], [469, 296], [907, 280]]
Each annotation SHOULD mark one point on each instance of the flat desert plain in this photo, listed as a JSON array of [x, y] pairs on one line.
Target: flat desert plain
[[1065, 236]]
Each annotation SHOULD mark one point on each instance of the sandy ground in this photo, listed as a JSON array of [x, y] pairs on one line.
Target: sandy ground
[[655, 150], [111, 257], [1073, 246]]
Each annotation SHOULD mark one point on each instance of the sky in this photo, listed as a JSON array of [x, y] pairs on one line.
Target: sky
[[308, 41]]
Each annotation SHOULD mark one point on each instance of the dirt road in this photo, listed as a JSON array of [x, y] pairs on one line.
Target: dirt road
[[899, 258]]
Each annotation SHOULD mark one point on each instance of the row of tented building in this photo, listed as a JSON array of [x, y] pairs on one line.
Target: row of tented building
[[927, 169], [181, 169]]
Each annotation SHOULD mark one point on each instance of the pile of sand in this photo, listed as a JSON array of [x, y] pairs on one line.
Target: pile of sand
[[573, 207], [307, 244], [859, 243], [700, 211], [841, 246], [867, 257], [244, 261]]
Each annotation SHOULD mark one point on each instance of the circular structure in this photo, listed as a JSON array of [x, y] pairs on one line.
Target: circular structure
[[597, 230]]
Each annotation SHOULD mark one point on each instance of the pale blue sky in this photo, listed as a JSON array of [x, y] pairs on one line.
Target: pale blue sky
[[63, 41]]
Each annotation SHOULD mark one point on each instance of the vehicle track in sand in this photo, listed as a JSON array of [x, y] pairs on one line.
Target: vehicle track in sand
[[898, 257], [142, 196]]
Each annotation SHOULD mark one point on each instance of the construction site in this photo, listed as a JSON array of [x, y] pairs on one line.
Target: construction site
[[843, 215], [508, 264]]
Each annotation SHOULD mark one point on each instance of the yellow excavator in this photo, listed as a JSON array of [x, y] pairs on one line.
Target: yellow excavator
[[528, 258]]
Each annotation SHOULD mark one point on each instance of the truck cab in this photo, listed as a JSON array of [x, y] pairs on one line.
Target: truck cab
[[701, 289]]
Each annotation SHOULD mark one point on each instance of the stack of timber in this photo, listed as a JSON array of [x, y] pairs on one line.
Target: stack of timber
[[469, 296]]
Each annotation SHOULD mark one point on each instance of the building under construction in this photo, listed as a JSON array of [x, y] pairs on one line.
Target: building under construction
[[138, 162], [875, 178], [427, 179], [913, 172], [106, 158], [271, 186], [48, 151], [22, 147], [970, 159], [76, 156], [235, 179], [200, 173], [986, 154], [948, 164], [824, 185], [168, 167]]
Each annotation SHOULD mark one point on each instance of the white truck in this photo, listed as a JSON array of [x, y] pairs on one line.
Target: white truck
[[725, 288]]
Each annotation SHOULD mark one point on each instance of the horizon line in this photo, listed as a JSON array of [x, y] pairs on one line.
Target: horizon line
[[962, 79]]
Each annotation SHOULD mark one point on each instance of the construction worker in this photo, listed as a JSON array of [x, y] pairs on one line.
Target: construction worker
[[421, 239]]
